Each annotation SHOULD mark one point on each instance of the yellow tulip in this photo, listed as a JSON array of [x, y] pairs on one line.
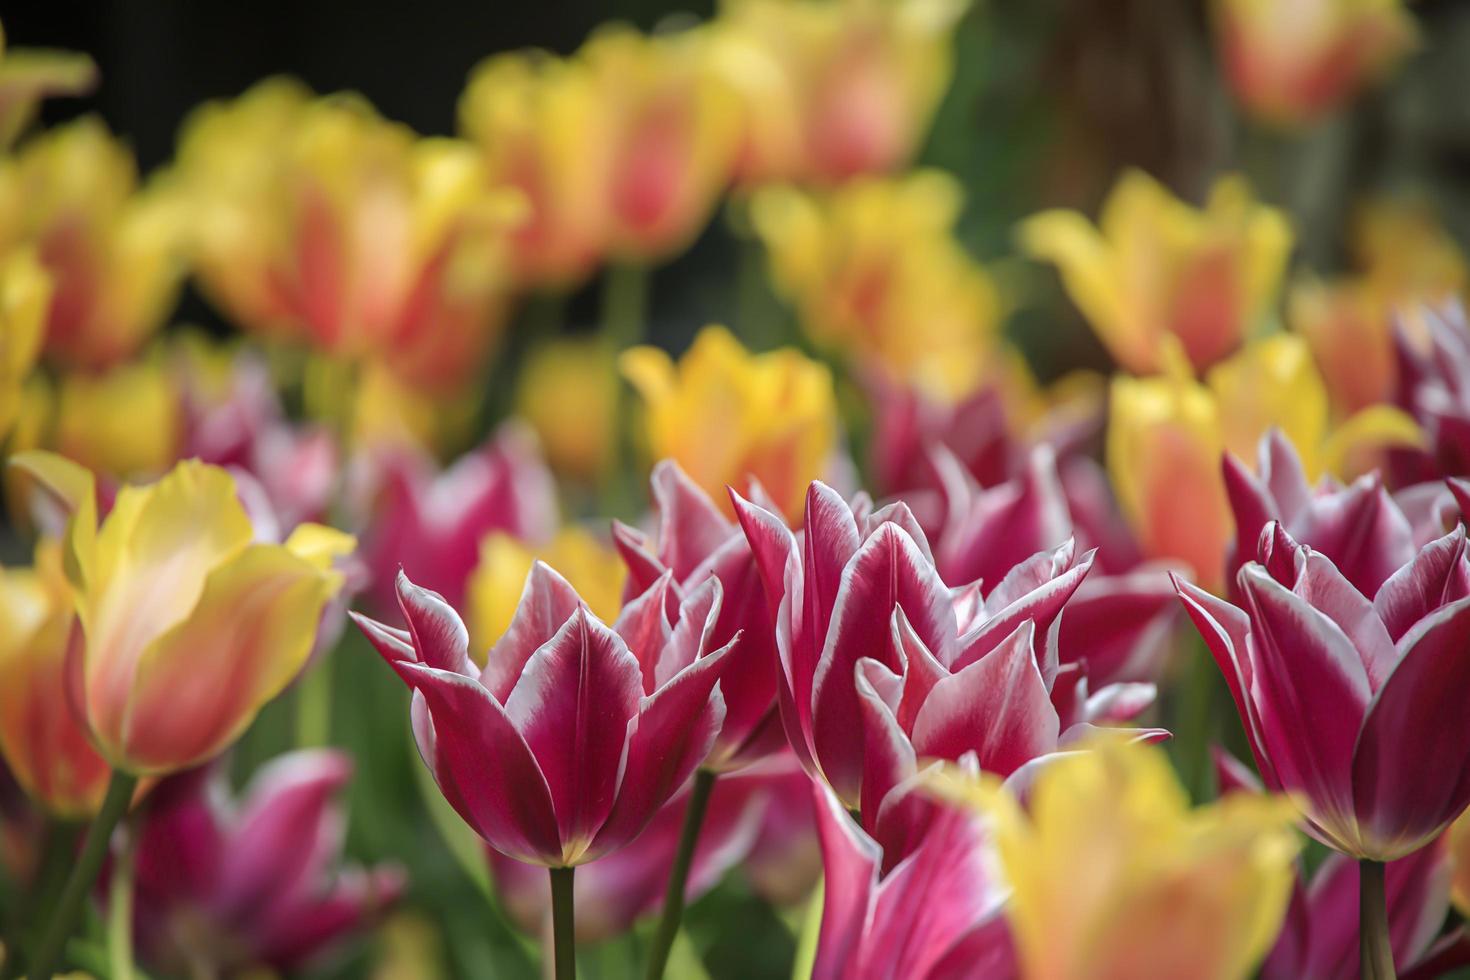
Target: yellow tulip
[[1291, 61], [831, 89], [48, 752], [25, 298], [1166, 435], [319, 222], [28, 76], [188, 624], [127, 423], [494, 588], [877, 275], [568, 391], [1155, 267], [1114, 876], [113, 250], [725, 414]]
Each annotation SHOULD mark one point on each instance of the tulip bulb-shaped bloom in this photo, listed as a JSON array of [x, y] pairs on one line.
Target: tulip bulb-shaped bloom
[[1154, 267], [225, 885], [188, 624], [695, 542], [47, 749], [1113, 876], [113, 249], [1354, 707], [575, 733], [726, 415]]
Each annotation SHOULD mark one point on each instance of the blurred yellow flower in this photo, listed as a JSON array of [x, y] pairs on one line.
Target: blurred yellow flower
[[1155, 267], [539, 124], [877, 275], [113, 250], [568, 392], [25, 297], [317, 221], [1291, 61], [494, 588], [49, 753], [382, 411], [674, 126], [188, 624], [1114, 876], [725, 414], [127, 423], [831, 89], [1166, 435]]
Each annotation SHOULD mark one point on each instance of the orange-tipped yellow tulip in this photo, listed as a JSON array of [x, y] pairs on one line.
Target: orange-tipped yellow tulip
[[188, 624], [113, 250], [1155, 267], [46, 748], [1292, 61], [1114, 876], [877, 274], [568, 392], [1167, 434], [25, 297], [494, 589], [539, 124], [319, 222], [674, 127], [726, 415], [831, 89]]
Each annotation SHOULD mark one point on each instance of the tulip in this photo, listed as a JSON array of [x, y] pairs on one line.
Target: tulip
[[1434, 386], [830, 91], [673, 137], [1350, 705], [574, 735], [47, 750], [568, 393], [1155, 267], [539, 124], [431, 523], [226, 885], [112, 248], [872, 641], [174, 598], [726, 415], [28, 76], [1113, 875], [316, 221], [125, 423], [614, 892], [1319, 939], [493, 590], [696, 542], [877, 275], [927, 907], [25, 296], [1294, 61]]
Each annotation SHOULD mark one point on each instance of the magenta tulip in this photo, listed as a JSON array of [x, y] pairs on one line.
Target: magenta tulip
[[1434, 387], [1354, 707], [696, 542], [575, 734], [223, 886]]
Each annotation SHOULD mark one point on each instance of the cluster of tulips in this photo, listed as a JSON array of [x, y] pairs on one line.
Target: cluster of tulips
[[655, 633]]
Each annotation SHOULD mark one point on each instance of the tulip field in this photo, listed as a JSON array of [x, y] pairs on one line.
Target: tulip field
[[850, 489]]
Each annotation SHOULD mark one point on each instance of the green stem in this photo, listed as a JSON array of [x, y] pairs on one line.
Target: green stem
[[120, 909], [1377, 952], [624, 304], [84, 873], [60, 850], [314, 705], [668, 925], [563, 924]]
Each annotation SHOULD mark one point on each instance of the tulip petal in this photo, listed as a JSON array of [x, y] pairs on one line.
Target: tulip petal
[[392, 644], [644, 626], [887, 572], [1362, 530], [998, 708], [1327, 591], [690, 525], [1439, 574], [888, 758], [201, 683], [850, 859], [485, 768], [1041, 606], [439, 635], [572, 705], [1411, 769], [693, 634], [1122, 626], [547, 602]]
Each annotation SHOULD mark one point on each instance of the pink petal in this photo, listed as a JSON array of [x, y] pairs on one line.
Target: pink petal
[[1041, 606], [439, 635], [1439, 574], [547, 602], [694, 632], [644, 626], [850, 859], [888, 758], [1362, 530], [690, 526], [392, 643], [1327, 591], [1123, 626], [636, 552], [1281, 468], [1232, 775], [573, 704]]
